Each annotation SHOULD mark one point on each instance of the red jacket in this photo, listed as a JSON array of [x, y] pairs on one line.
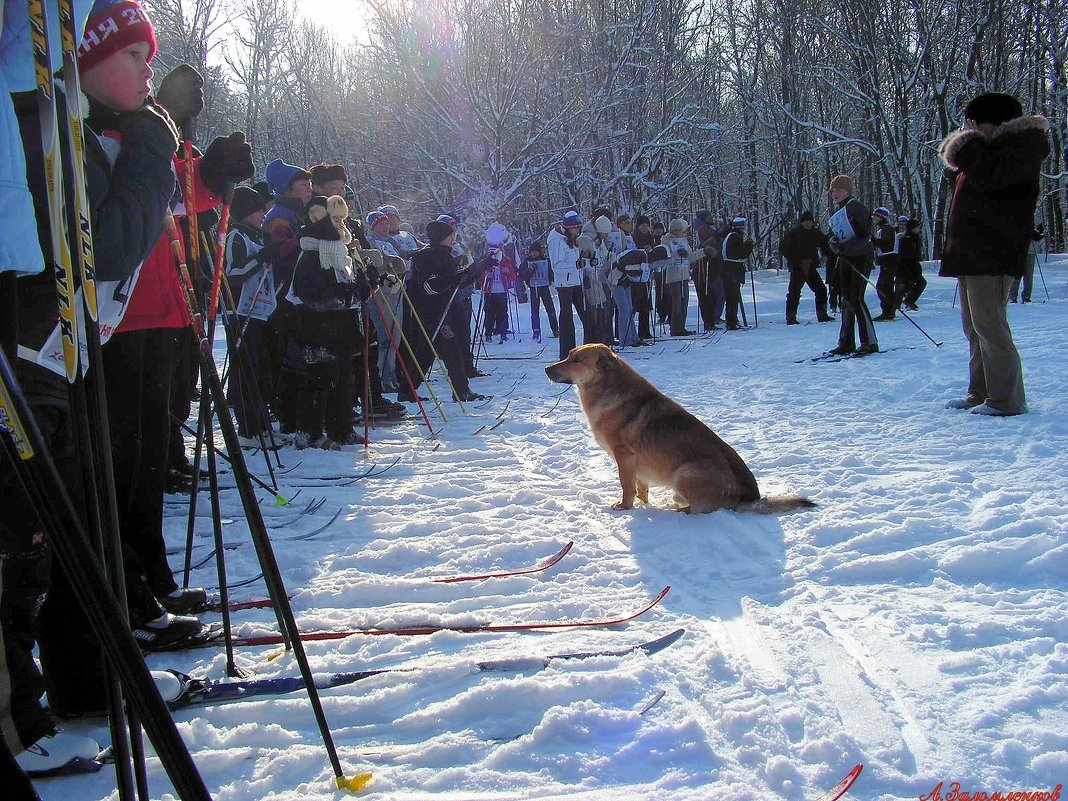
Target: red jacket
[[509, 276], [157, 300]]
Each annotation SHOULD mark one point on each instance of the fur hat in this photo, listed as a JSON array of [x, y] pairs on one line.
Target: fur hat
[[806, 216], [882, 211], [324, 173], [678, 224], [602, 225], [994, 108], [438, 231], [571, 220], [114, 25], [280, 176], [246, 201], [842, 182]]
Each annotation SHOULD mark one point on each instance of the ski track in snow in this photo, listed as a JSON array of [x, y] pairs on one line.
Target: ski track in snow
[[914, 622]]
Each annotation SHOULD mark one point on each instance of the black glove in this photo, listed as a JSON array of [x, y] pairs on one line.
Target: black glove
[[151, 122], [466, 278], [228, 159], [268, 252]]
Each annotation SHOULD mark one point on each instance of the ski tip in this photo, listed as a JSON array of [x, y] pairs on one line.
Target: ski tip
[[843, 786], [353, 783], [655, 646], [280, 500]]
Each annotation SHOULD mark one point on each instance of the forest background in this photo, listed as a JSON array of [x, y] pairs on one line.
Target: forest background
[[517, 110]]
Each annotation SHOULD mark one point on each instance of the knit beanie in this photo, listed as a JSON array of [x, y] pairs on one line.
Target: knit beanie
[[112, 26], [602, 225], [806, 216], [246, 201], [374, 218], [678, 224], [994, 108], [572, 220], [280, 176], [842, 182], [438, 231], [883, 212]]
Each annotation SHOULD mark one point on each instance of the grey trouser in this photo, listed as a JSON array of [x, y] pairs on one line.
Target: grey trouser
[[994, 370]]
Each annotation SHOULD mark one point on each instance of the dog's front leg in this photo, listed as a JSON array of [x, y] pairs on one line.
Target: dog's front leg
[[627, 464]]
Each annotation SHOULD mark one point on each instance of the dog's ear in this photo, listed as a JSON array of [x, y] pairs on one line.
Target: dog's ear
[[606, 362]]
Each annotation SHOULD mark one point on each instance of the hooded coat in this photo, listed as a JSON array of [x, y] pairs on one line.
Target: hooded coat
[[991, 216]]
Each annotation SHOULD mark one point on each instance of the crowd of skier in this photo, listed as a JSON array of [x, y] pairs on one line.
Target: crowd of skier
[[326, 310]]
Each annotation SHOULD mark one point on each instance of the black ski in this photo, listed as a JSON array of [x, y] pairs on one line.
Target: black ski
[[182, 691]]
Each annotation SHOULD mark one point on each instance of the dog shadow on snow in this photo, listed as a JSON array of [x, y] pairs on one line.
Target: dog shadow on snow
[[712, 561]]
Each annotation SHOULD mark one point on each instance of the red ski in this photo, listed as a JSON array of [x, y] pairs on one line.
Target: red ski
[[313, 636], [523, 571], [843, 786], [265, 603]]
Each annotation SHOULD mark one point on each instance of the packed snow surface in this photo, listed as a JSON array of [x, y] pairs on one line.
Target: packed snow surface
[[915, 622]]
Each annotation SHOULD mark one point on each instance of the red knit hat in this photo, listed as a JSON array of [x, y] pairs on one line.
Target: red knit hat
[[113, 25]]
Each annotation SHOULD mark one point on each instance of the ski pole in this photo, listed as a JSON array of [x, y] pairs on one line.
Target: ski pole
[[430, 340], [28, 455], [752, 284], [394, 324], [261, 540], [401, 361], [904, 314], [125, 729]]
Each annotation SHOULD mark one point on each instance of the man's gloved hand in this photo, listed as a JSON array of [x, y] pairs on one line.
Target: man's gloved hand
[[150, 122], [466, 277], [228, 159]]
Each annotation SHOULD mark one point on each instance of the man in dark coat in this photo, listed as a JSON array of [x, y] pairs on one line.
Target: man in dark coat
[[994, 160], [432, 285], [801, 248]]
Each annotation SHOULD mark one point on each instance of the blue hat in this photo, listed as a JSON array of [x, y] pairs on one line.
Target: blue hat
[[281, 175], [448, 219], [883, 212], [374, 217], [571, 220], [903, 218]]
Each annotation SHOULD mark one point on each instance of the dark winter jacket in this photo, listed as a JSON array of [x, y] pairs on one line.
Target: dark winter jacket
[[884, 239], [431, 282], [991, 216], [127, 202], [317, 288], [909, 248], [281, 226], [800, 244], [851, 236]]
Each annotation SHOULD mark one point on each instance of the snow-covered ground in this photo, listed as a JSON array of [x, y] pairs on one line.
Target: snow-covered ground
[[915, 622]]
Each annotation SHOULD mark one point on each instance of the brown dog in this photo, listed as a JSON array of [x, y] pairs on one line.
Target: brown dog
[[656, 442]]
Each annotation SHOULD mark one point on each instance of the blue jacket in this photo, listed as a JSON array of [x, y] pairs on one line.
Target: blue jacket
[[19, 249]]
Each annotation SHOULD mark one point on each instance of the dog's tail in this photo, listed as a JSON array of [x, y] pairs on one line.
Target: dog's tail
[[778, 505]]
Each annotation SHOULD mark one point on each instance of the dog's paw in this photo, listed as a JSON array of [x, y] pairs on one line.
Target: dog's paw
[[618, 505]]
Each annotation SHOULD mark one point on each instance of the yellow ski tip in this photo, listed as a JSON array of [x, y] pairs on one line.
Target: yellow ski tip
[[353, 784], [275, 654]]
